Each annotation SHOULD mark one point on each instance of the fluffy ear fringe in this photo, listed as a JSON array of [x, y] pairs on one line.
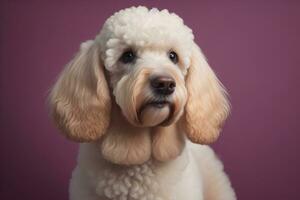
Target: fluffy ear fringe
[[80, 99], [125, 144], [207, 106], [167, 142]]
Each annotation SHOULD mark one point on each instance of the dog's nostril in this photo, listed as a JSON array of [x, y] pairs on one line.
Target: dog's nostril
[[163, 85], [157, 84], [172, 85]]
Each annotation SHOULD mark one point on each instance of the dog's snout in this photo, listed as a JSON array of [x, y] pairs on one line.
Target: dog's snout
[[163, 85]]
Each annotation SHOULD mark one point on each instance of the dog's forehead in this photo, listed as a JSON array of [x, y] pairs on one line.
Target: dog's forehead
[[141, 27]]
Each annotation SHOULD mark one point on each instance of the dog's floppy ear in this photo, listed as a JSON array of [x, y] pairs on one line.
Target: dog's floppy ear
[[80, 100], [207, 106]]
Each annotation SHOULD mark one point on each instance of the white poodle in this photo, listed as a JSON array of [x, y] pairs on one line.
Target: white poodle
[[135, 96]]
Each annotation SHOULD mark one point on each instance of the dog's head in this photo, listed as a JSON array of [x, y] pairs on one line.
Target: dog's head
[[146, 62]]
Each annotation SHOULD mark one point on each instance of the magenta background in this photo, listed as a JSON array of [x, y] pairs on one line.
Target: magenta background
[[252, 45]]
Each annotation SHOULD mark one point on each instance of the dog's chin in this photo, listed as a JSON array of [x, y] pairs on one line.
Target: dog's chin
[[156, 114]]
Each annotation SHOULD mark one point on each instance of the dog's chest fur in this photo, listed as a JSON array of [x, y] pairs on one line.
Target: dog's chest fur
[[152, 180], [130, 183]]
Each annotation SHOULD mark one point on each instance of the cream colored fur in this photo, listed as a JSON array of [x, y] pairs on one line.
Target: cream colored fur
[[132, 150]]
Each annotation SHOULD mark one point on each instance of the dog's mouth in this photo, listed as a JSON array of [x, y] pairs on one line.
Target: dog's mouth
[[156, 113], [158, 104]]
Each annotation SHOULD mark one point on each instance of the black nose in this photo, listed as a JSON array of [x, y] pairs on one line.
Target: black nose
[[163, 85]]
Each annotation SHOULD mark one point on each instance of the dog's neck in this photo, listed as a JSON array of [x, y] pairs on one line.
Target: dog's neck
[[153, 177], [126, 144]]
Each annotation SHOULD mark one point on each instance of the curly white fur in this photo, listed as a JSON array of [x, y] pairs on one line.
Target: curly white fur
[[124, 29]]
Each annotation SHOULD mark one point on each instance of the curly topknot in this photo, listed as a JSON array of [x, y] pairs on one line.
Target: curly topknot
[[139, 26]]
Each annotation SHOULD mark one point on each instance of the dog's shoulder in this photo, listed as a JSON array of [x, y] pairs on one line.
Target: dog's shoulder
[[203, 154]]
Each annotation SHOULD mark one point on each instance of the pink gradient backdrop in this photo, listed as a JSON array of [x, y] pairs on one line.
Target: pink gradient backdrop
[[252, 45]]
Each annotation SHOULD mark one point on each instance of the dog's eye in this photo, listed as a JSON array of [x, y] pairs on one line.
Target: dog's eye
[[128, 57], [173, 57]]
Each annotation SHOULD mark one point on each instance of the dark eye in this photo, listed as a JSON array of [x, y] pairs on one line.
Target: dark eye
[[173, 57], [128, 57]]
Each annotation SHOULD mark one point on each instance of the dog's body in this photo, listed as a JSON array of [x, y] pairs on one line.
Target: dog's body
[[137, 94], [194, 175]]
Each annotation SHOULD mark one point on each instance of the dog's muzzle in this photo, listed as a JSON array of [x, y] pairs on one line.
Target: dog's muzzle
[[158, 110]]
